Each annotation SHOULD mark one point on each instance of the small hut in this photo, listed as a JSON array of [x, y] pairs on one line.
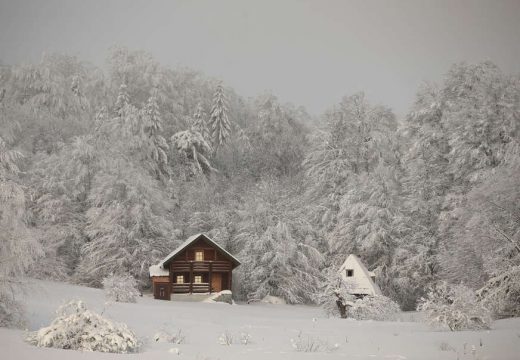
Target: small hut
[[199, 265], [359, 280]]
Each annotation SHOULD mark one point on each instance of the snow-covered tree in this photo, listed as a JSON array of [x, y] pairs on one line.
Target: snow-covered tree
[[157, 145], [334, 296], [277, 139], [62, 182], [199, 122], [195, 149], [358, 137], [282, 266], [121, 288], [18, 245], [127, 224], [122, 100], [501, 293], [219, 124]]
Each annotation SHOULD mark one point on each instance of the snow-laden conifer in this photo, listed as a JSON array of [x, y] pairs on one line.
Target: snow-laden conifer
[[219, 124]]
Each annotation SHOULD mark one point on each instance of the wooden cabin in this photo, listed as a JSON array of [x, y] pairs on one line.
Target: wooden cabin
[[199, 265]]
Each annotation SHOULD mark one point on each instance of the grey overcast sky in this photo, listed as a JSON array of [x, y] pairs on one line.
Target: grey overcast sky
[[307, 52]]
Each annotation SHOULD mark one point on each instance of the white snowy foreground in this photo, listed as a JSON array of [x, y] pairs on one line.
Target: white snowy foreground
[[270, 328]]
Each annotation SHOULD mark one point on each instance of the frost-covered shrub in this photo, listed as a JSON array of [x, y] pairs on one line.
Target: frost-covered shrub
[[225, 338], [245, 338], [307, 343], [377, 307], [456, 307], [121, 288], [501, 294], [78, 328], [165, 336]]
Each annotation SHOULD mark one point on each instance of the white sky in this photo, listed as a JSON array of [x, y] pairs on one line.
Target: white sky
[[307, 52]]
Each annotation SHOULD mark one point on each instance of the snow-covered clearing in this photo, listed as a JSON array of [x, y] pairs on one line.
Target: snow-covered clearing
[[270, 327]]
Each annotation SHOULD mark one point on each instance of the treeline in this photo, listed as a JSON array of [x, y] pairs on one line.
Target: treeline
[[107, 171]]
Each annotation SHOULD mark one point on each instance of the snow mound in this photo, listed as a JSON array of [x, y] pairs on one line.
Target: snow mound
[[221, 296], [269, 299], [78, 328]]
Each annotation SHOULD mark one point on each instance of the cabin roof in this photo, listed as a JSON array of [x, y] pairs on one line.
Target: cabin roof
[[157, 270], [189, 241], [361, 283]]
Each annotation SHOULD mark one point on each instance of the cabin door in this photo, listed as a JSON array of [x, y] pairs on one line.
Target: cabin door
[[216, 282], [162, 291]]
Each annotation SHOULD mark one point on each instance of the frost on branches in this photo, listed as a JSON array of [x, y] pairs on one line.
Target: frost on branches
[[77, 328], [456, 307], [121, 288], [501, 294], [335, 298], [18, 247]]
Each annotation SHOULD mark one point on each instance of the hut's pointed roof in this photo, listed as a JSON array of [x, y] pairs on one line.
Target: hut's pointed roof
[[360, 283]]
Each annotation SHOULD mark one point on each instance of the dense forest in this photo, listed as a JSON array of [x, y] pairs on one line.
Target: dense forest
[[106, 170]]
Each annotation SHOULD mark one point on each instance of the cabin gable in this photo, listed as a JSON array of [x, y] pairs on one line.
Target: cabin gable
[[358, 279]]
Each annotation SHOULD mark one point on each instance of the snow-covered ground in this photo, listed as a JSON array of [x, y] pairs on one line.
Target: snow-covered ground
[[271, 328]]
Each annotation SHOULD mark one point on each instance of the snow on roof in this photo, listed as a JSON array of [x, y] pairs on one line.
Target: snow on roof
[[156, 270], [189, 241], [360, 283]]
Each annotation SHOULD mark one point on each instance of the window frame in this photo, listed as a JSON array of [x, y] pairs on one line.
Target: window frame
[[350, 272], [201, 253], [179, 277], [197, 277]]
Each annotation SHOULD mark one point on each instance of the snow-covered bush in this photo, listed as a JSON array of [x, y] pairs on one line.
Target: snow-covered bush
[[78, 328], [501, 294], [380, 308], [307, 343], [166, 336], [226, 338], [455, 306], [121, 288], [245, 338]]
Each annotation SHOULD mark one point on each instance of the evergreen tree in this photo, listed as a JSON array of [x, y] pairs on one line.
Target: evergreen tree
[[122, 100], [199, 122], [219, 124], [157, 145]]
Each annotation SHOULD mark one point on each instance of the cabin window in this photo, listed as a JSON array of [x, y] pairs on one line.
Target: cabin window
[[350, 272], [198, 279], [180, 279], [199, 255]]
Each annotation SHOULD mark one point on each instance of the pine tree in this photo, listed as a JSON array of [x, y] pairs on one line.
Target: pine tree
[[122, 100], [199, 122], [157, 145], [220, 126]]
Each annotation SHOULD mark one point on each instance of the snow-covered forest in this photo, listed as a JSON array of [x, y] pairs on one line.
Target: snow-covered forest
[[105, 170]]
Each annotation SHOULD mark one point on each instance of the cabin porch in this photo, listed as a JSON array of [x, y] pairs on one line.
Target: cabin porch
[[200, 276]]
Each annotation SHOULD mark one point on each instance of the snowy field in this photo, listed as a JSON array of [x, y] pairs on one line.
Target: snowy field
[[271, 328]]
